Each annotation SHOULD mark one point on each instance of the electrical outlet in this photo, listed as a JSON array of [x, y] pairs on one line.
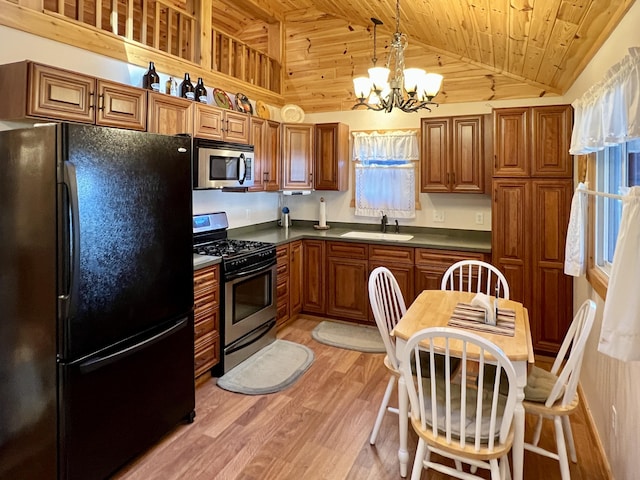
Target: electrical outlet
[[614, 420], [438, 216], [479, 218]]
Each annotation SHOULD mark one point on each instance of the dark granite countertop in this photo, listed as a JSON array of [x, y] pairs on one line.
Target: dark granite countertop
[[437, 238], [201, 261]]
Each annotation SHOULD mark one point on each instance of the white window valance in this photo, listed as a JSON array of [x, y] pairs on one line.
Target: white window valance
[[384, 147], [609, 112]]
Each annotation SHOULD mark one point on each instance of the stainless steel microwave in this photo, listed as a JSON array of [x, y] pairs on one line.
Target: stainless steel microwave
[[222, 164]]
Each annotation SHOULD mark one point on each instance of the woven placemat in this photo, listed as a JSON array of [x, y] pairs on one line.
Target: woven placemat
[[469, 316]]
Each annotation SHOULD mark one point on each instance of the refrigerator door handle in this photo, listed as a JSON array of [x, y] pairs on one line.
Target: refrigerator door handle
[[100, 361], [71, 296]]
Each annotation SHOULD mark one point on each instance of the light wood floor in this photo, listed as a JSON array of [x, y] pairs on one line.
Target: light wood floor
[[317, 429]]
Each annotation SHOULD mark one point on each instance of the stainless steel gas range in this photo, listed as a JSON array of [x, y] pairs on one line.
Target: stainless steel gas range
[[249, 275]]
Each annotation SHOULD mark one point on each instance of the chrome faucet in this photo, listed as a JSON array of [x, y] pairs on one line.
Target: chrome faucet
[[383, 223], [397, 227]]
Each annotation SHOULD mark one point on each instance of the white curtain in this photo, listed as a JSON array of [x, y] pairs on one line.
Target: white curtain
[[383, 147], [386, 189], [609, 112], [574, 252], [385, 175], [620, 335]]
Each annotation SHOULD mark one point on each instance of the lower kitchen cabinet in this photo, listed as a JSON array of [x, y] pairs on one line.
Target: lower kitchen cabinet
[[206, 292], [400, 261], [313, 276], [282, 285], [431, 264], [348, 275], [295, 278]]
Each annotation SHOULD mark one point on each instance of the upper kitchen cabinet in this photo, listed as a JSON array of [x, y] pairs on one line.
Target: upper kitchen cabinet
[[40, 91], [331, 169], [453, 154], [220, 124], [265, 136], [297, 156], [169, 115], [533, 141]]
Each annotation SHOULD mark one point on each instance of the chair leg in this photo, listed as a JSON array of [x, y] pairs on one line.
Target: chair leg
[[566, 423], [562, 449], [383, 409], [507, 467], [458, 465], [537, 431], [418, 462], [495, 469]]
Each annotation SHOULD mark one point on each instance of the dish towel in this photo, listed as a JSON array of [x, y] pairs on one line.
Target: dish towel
[[574, 251], [620, 335]]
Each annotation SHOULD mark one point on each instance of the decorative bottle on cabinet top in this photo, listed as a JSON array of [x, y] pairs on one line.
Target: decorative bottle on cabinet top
[[186, 88], [200, 92], [151, 79]]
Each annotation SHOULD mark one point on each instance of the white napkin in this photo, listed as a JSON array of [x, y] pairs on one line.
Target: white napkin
[[484, 301]]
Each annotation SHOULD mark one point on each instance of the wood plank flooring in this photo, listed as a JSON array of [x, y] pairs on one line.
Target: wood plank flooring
[[315, 430]]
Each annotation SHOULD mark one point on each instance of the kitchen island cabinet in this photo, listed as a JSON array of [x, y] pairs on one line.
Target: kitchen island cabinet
[[206, 293]]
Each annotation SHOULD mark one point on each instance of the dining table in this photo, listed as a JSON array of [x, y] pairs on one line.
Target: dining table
[[434, 308]]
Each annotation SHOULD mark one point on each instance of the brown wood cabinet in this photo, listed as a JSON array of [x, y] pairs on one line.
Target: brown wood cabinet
[[347, 279], [532, 191], [331, 160], [296, 272], [220, 124], [40, 91], [400, 261], [265, 136], [453, 154], [432, 263], [297, 156], [533, 141], [282, 284], [206, 292], [169, 115], [313, 276]]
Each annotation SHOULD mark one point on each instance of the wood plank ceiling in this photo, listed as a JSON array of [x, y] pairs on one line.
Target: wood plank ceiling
[[485, 49]]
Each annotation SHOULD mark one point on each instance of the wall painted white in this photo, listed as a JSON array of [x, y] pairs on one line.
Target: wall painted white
[[608, 382]]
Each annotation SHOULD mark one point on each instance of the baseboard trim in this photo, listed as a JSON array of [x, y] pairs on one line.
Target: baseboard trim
[[593, 432]]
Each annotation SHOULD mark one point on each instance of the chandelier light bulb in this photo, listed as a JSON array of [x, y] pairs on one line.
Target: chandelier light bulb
[[413, 79], [379, 77], [431, 85], [362, 87]]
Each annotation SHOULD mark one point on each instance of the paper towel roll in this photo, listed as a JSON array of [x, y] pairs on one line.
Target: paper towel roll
[[322, 222], [484, 301]]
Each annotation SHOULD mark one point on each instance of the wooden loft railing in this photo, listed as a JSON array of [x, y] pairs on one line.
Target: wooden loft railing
[[166, 27], [233, 57]]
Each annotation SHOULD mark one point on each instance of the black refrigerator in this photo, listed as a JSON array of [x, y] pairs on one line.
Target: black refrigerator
[[96, 298]]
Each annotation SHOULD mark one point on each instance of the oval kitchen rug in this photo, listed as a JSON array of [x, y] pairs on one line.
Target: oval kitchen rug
[[273, 368], [352, 337]]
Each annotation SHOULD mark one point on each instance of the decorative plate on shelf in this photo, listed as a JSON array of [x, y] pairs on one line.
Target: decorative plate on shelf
[[262, 110], [243, 104], [292, 113], [222, 99]]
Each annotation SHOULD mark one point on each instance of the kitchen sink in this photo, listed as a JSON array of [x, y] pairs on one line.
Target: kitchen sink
[[393, 237]]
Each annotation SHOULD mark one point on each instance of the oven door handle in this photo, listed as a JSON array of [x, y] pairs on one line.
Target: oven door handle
[[252, 271], [250, 338]]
